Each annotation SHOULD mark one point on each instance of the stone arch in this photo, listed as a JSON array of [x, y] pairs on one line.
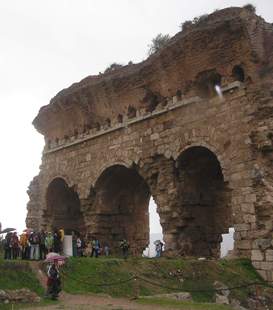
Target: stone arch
[[224, 163], [120, 199], [106, 165], [63, 207], [203, 202]]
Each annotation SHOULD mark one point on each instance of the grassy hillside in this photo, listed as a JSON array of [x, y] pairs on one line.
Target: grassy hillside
[[17, 275], [138, 276], [145, 277]]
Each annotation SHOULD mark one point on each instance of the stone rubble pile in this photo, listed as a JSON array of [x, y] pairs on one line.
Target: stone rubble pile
[[18, 296]]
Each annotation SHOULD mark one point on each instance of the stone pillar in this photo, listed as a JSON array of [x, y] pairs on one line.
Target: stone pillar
[[33, 219], [262, 175]]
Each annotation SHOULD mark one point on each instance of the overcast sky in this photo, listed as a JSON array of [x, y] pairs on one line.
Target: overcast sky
[[45, 46]]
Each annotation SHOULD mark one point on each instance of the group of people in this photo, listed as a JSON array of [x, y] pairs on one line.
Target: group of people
[[94, 248], [33, 245]]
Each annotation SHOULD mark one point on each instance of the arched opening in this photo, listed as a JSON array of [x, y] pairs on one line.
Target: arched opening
[[121, 206], [131, 112], [238, 73], [155, 231], [120, 118], [63, 207], [206, 82], [204, 202]]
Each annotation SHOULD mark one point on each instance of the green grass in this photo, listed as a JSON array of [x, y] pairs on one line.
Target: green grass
[[183, 305], [142, 277], [158, 276], [17, 275]]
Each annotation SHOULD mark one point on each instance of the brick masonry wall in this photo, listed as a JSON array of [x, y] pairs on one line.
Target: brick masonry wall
[[236, 131]]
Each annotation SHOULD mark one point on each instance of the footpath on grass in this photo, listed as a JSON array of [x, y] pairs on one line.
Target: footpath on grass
[[138, 283]]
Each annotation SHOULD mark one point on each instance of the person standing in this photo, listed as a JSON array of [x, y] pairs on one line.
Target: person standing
[[74, 244], [23, 244], [34, 245], [124, 245], [53, 281], [42, 237], [158, 248], [79, 246], [14, 245], [7, 246], [61, 233], [95, 248], [57, 242], [106, 249], [49, 242]]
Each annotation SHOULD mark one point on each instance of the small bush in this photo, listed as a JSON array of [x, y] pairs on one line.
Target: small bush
[[189, 23], [158, 43], [250, 7], [186, 25], [114, 66], [200, 18]]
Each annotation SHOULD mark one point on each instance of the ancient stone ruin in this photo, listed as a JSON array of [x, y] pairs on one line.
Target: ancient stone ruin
[[161, 128]]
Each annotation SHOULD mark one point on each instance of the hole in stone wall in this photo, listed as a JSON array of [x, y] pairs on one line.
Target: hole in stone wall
[[238, 73], [63, 207], [57, 141], [108, 122], [206, 82], [227, 243], [204, 200], [76, 132], [156, 232], [121, 204], [120, 118], [131, 112], [98, 126], [179, 94]]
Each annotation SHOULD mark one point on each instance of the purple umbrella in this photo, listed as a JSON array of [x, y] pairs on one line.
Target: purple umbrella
[[51, 257]]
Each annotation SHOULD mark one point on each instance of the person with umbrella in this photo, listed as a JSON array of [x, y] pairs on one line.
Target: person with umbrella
[[158, 247], [53, 279]]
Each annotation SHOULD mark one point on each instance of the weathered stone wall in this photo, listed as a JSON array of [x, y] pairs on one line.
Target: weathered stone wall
[[158, 128]]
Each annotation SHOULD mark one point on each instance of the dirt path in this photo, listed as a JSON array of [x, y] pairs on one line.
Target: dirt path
[[88, 301], [94, 302]]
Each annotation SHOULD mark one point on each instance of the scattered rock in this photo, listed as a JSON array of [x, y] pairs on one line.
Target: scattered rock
[[236, 305], [18, 296], [221, 299], [222, 289], [176, 296]]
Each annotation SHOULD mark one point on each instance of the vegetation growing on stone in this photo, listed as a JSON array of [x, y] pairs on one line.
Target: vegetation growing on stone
[[250, 7], [114, 66], [158, 43]]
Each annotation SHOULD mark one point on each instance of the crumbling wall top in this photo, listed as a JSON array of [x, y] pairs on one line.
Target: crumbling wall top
[[208, 50]]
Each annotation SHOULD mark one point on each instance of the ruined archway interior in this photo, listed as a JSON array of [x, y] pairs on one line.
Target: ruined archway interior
[[121, 203], [63, 207], [204, 202]]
